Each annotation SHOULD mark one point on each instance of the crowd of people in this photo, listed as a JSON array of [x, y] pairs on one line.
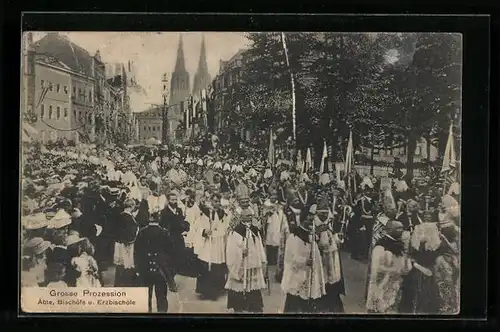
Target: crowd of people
[[154, 213]]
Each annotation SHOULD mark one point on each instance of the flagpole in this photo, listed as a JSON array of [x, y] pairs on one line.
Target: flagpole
[[292, 82]]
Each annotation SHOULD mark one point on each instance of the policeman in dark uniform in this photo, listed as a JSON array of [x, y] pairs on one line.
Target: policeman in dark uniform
[[152, 257]]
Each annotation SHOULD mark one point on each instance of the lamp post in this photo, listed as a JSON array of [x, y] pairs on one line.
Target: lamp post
[[164, 125]]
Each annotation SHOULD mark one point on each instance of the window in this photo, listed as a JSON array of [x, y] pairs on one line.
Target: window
[[65, 113], [66, 89], [74, 114], [58, 112], [58, 87], [154, 128], [50, 86], [145, 128], [50, 112], [79, 92], [42, 111], [74, 90], [150, 128], [42, 82], [90, 95], [418, 150]]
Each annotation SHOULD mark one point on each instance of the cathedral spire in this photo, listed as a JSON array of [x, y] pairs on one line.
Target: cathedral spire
[[202, 63], [202, 77], [180, 65]]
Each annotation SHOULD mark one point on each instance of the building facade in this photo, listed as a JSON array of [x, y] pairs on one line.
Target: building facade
[[224, 83], [53, 103], [70, 93], [149, 124]]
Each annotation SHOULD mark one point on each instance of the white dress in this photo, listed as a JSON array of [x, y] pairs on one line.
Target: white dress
[[87, 266]]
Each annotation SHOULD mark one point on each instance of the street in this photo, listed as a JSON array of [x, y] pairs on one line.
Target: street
[[187, 301]]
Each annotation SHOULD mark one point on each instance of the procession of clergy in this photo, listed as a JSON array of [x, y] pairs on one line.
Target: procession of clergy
[[229, 222]]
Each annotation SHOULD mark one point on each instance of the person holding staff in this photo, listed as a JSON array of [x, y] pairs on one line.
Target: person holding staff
[[210, 246], [246, 261]]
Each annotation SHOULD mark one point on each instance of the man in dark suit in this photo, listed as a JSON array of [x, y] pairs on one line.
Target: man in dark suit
[[173, 221], [361, 226], [152, 257]]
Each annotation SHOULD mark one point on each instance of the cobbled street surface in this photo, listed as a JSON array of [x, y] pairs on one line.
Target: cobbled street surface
[[187, 301]]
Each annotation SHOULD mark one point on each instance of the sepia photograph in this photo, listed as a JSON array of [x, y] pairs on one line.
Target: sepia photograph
[[240, 172]]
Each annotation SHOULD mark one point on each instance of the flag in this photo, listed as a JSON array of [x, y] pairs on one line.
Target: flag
[[449, 167], [270, 155], [185, 114], [210, 92], [349, 162], [337, 173], [309, 163], [323, 157], [190, 110], [300, 162], [203, 100], [196, 106], [43, 93]]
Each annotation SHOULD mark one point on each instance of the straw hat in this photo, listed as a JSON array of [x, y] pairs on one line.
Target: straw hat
[[60, 220], [72, 239], [35, 221], [36, 245]]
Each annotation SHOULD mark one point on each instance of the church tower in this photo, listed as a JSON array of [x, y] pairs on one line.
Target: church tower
[[179, 84], [202, 77]]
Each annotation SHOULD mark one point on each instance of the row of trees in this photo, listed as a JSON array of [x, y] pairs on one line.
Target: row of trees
[[389, 89]]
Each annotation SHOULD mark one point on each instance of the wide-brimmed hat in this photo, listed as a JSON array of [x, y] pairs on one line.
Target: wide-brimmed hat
[[60, 220], [35, 221], [72, 239], [36, 245]]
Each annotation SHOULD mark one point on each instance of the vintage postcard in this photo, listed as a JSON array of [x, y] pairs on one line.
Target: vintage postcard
[[235, 172]]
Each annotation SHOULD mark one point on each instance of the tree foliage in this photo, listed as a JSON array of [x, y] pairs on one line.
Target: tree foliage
[[389, 89]]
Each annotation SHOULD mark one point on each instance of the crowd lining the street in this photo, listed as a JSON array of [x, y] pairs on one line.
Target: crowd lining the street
[[155, 213]]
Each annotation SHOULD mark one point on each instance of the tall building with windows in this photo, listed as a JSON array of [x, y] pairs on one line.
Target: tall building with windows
[[68, 89], [70, 93], [228, 77], [149, 123]]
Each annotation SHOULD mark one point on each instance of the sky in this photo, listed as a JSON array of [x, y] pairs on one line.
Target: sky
[[154, 53]]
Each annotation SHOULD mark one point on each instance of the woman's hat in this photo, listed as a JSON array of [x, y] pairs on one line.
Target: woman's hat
[[36, 245], [60, 220], [35, 221], [72, 239]]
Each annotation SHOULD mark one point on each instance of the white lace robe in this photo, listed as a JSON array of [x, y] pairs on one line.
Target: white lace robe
[[308, 282], [275, 223], [211, 249], [245, 273], [192, 216]]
